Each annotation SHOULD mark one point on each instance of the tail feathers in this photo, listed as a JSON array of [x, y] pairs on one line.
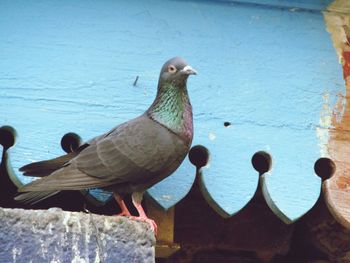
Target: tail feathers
[[34, 197], [44, 168], [67, 178]]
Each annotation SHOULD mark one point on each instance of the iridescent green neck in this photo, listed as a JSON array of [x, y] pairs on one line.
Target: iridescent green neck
[[172, 109]]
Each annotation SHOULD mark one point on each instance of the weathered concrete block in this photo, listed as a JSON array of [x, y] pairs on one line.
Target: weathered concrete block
[[58, 236]]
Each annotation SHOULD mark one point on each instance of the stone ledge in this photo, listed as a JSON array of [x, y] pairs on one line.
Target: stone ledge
[[54, 235]]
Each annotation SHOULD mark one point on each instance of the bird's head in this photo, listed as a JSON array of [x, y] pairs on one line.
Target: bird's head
[[175, 71]]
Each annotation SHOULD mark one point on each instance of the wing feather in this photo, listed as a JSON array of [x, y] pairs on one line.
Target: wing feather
[[136, 152], [67, 178], [34, 197]]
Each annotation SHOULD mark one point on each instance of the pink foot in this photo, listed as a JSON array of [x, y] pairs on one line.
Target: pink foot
[[120, 201], [136, 200], [149, 221]]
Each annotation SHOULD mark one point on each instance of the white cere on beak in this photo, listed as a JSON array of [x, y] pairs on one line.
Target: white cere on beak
[[189, 70]]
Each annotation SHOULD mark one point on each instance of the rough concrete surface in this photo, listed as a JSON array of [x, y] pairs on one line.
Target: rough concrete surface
[[58, 236]]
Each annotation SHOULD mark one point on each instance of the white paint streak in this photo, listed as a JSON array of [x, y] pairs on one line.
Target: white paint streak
[[97, 256], [69, 221], [16, 252], [166, 197], [87, 236], [65, 221], [50, 228], [212, 136], [107, 226], [43, 248], [325, 122], [78, 259], [75, 241]]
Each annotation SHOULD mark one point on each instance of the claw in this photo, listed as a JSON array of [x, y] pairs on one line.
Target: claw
[[147, 220], [136, 200]]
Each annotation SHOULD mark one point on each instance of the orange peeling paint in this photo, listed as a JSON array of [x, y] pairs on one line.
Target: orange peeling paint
[[337, 189], [339, 147], [343, 182], [339, 143], [346, 66]]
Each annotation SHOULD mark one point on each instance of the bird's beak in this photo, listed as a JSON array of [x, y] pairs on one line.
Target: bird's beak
[[188, 70]]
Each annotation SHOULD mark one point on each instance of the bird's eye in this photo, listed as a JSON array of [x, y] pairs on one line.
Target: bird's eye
[[171, 69]]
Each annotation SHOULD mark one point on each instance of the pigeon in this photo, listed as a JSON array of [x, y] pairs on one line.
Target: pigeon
[[131, 157]]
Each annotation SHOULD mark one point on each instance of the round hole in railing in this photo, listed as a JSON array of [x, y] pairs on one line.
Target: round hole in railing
[[324, 168], [7, 136], [261, 162], [199, 155], [70, 142]]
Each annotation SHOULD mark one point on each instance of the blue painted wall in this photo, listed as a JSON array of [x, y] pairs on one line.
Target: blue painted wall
[[69, 67], [312, 5]]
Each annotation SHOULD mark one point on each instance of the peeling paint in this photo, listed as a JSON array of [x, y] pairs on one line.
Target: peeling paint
[[70, 243], [335, 25], [325, 122], [97, 258], [16, 252], [55, 259], [337, 188], [343, 182], [212, 136], [166, 197], [107, 226], [339, 108], [65, 221], [43, 248], [87, 237], [76, 241]]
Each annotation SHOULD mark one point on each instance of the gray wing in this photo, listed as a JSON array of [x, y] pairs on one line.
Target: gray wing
[[134, 152]]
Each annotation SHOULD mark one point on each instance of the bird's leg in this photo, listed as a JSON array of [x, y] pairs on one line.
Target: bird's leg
[[136, 200], [120, 201]]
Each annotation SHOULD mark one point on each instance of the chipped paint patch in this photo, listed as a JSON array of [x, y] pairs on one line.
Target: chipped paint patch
[[107, 225], [65, 221], [166, 197], [97, 258], [343, 182], [43, 247], [16, 252], [76, 240], [73, 226], [337, 187], [335, 25], [55, 258], [325, 122], [339, 109], [212, 136]]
